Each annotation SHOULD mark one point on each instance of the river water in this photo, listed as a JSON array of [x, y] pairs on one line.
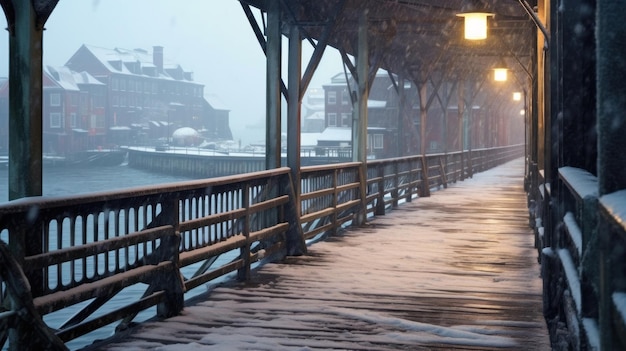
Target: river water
[[59, 181]]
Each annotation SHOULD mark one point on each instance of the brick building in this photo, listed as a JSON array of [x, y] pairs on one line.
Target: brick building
[[107, 97]]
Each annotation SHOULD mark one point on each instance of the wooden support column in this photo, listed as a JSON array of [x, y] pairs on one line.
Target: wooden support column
[[273, 85], [25, 20], [359, 120], [423, 97], [295, 238], [461, 131], [611, 104], [401, 139], [293, 108], [579, 91]]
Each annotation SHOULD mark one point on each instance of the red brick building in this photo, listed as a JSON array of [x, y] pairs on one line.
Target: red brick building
[[108, 97]]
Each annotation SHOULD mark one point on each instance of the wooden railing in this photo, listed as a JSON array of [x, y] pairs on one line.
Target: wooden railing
[[612, 288], [583, 263], [92, 260]]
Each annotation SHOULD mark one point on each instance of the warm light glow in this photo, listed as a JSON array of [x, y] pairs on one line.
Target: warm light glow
[[475, 25], [522, 112], [517, 96], [499, 74]]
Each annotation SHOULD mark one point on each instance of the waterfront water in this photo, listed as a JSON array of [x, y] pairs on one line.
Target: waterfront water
[[59, 181]]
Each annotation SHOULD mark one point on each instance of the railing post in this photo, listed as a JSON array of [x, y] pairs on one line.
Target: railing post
[[172, 283], [295, 238], [380, 202], [334, 202], [396, 184], [425, 185], [443, 161], [409, 191], [243, 274]]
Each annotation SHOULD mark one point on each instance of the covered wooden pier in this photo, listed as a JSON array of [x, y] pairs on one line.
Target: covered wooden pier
[[456, 271]]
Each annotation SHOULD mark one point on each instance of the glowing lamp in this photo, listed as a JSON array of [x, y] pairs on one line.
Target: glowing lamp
[[499, 74], [517, 96], [475, 24], [500, 71]]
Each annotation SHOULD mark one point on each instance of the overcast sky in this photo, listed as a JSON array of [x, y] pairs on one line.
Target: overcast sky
[[211, 38]]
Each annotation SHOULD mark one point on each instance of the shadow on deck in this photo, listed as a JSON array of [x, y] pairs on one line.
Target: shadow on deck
[[456, 271]]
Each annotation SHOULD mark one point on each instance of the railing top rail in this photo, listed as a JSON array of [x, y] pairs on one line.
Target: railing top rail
[[311, 169], [580, 181], [615, 206], [41, 202]]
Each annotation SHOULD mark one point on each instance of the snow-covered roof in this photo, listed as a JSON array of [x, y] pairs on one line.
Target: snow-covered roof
[[309, 139], [316, 116], [215, 102], [336, 134], [376, 104], [62, 76], [133, 62], [86, 79]]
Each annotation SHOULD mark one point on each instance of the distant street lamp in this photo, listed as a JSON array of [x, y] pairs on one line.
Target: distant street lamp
[[500, 71], [517, 96]]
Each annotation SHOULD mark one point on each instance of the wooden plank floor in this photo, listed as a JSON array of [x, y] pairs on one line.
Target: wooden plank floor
[[456, 271]]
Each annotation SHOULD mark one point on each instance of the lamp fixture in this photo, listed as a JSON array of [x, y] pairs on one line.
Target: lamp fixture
[[500, 71], [475, 15], [517, 96]]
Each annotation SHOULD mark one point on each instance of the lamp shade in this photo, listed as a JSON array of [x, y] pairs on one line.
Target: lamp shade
[[500, 71], [475, 24], [500, 74]]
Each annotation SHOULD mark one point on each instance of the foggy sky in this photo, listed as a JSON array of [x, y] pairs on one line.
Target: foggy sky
[[211, 38]]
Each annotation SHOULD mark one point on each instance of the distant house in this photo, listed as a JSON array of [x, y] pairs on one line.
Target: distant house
[[217, 128], [147, 93], [73, 114], [382, 112]]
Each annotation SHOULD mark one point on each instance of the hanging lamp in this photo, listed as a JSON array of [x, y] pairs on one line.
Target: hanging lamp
[[475, 15]]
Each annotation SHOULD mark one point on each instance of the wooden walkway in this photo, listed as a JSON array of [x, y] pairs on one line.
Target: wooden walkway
[[456, 271]]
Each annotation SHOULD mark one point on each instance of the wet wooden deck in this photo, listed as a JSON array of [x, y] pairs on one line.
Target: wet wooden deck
[[456, 271]]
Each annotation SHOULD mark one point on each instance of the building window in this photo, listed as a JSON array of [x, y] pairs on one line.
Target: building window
[[345, 119], [131, 85], [100, 121], [332, 119], [345, 98], [55, 99], [332, 97], [122, 85], [55, 120], [115, 84], [378, 141], [115, 100], [73, 120]]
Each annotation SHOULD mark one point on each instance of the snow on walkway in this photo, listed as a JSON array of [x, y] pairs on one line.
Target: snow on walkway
[[456, 271]]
